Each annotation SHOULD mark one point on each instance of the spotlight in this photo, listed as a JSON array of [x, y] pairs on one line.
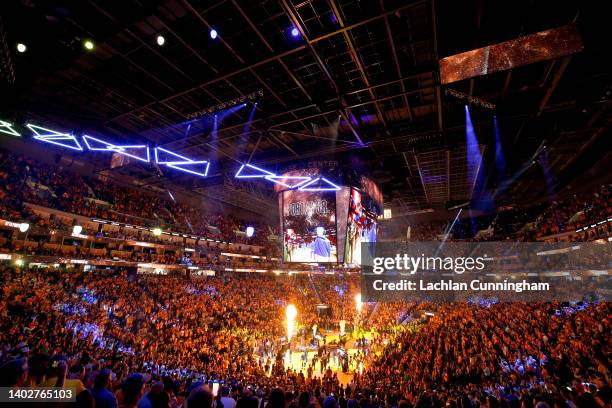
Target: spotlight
[[77, 229], [19, 262], [250, 231], [213, 33], [160, 40], [24, 226], [157, 232], [21, 47], [295, 32], [89, 45]]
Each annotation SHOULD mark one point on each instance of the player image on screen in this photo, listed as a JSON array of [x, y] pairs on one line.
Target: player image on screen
[[362, 226], [309, 226]]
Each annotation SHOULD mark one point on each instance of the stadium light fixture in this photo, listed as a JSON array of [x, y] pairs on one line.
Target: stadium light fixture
[[175, 161], [77, 229], [24, 227], [157, 232], [295, 32], [250, 231], [263, 173], [178, 162], [19, 262], [21, 47], [282, 180], [213, 34], [196, 173], [6, 127], [161, 40], [92, 143], [57, 138], [307, 186], [89, 45]]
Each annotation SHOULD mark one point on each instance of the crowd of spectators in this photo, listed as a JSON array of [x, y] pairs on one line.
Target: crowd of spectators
[[224, 328], [26, 180], [513, 354], [567, 213], [120, 339], [104, 334]]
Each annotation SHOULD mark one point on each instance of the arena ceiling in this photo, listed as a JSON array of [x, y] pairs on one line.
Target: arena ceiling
[[359, 83]]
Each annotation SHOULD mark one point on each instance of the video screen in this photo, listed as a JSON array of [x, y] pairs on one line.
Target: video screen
[[362, 225], [542, 46], [342, 203], [309, 226]]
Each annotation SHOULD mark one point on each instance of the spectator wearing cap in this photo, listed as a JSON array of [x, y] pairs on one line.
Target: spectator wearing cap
[[102, 395]]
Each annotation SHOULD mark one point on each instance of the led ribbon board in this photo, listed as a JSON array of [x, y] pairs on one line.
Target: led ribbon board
[[95, 144], [178, 162], [6, 127], [57, 138]]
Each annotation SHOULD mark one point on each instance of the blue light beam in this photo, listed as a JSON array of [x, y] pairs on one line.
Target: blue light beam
[[500, 162], [474, 158]]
